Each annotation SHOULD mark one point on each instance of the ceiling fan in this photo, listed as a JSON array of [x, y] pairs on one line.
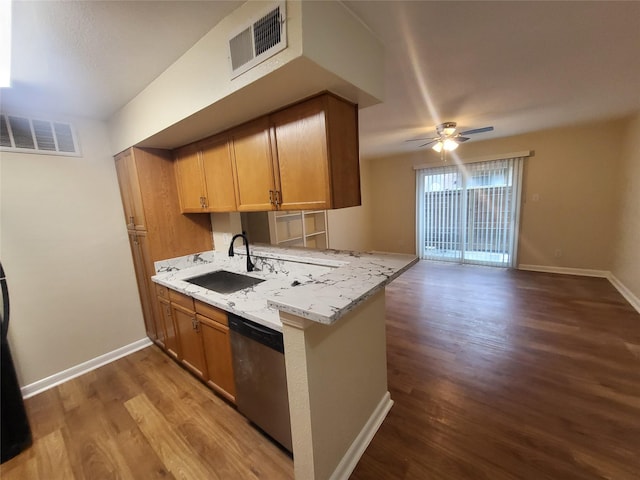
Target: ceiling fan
[[447, 139]]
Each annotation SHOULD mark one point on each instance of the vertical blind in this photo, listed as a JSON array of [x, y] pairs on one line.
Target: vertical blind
[[469, 213]]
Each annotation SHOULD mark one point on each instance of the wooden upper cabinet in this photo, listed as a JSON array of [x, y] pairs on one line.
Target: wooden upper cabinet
[[204, 175], [317, 153], [301, 147], [302, 157], [130, 191], [190, 179], [218, 175], [253, 166]]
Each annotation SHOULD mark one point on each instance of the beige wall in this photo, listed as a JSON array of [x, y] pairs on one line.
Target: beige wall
[[64, 247], [350, 228], [573, 173], [330, 419], [626, 247]]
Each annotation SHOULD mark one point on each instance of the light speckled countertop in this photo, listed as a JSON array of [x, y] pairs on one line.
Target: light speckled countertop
[[319, 285]]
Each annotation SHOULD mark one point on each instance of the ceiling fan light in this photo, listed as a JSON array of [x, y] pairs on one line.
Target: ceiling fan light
[[449, 144], [438, 146], [446, 129]]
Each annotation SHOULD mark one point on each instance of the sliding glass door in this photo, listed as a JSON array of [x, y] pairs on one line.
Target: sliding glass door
[[469, 213]]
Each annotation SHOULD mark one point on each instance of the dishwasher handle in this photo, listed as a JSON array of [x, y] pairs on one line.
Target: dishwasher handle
[[261, 334]]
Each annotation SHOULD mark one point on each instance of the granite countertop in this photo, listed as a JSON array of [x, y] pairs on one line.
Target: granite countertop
[[319, 285]]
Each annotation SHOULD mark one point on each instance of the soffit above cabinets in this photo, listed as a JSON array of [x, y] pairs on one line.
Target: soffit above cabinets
[[327, 49], [253, 102]]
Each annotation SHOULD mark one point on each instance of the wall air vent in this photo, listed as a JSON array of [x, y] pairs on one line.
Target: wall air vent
[[260, 39], [30, 135]]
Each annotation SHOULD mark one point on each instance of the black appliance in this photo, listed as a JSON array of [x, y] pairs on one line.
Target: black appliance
[[15, 432]]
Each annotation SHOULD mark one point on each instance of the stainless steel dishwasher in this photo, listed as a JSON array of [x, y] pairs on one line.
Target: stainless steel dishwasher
[[261, 377]]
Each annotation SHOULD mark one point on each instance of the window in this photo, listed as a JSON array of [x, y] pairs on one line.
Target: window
[[469, 213]]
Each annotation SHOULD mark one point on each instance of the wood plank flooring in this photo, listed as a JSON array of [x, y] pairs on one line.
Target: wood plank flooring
[[495, 374], [142, 417], [501, 374]]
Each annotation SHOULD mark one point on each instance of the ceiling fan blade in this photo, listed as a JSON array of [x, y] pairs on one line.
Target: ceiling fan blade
[[462, 139], [477, 130], [420, 139], [428, 143]]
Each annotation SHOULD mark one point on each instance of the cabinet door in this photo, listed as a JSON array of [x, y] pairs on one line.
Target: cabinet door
[[217, 350], [301, 145], [130, 190], [137, 243], [190, 339], [253, 166], [218, 175], [160, 322], [189, 178], [170, 338], [142, 240]]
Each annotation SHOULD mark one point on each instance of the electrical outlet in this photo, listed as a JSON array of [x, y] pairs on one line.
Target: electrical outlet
[[558, 252], [535, 197]]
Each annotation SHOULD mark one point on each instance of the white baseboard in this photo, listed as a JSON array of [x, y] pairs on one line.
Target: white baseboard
[[583, 272], [73, 372], [351, 458], [625, 292]]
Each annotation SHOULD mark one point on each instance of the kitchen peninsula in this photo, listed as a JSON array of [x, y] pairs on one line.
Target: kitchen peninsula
[[330, 307]]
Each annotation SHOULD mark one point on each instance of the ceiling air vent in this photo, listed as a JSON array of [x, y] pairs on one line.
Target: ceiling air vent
[[30, 135], [259, 40]]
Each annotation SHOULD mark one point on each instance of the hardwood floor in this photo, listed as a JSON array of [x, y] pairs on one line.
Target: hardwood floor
[[142, 417], [495, 375], [501, 374]]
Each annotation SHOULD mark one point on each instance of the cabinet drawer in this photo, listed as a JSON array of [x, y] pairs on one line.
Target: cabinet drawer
[[162, 291], [181, 299], [211, 312]]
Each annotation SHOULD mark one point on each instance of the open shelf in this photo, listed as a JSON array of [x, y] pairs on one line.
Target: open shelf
[[306, 228]]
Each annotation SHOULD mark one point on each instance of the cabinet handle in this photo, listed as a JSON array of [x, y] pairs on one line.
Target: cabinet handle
[[195, 324], [278, 198], [271, 197], [131, 222]]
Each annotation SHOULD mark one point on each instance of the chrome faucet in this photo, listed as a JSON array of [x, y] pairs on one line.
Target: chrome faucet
[[250, 266]]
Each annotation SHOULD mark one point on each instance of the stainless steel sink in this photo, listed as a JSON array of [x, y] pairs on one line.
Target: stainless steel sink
[[222, 281]]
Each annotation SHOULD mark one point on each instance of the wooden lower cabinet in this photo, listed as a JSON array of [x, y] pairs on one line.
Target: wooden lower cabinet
[[165, 322], [188, 329], [170, 343], [197, 335], [217, 349], [140, 254]]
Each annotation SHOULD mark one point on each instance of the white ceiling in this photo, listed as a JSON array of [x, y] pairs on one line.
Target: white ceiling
[[89, 58], [519, 66]]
